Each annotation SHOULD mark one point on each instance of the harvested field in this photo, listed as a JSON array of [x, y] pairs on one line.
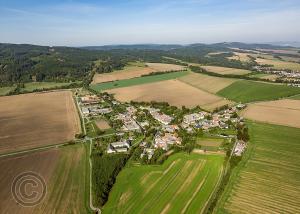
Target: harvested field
[[174, 92], [206, 82], [268, 178], [243, 57], [279, 64], [135, 71], [282, 112], [225, 70], [183, 184], [63, 170], [35, 120], [102, 124]]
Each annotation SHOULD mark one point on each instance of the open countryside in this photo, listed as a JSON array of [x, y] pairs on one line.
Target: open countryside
[[38, 119], [182, 184], [267, 180]]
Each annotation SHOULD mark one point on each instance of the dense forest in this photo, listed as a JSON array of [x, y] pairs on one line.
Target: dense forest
[[29, 63]]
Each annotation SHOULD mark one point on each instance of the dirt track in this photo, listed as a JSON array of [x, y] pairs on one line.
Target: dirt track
[[38, 119]]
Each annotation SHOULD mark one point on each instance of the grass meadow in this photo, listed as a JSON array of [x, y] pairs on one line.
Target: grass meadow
[[268, 178], [184, 183], [137, 81], [248, 91]]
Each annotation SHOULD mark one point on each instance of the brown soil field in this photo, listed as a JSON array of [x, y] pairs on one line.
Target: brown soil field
[[174, 92], [224, 70], [207, 83], [102, 124], [135, 71], [63, 172], [38, 119], [282, 112]]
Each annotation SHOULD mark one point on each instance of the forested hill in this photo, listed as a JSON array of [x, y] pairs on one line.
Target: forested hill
[[27, 63]]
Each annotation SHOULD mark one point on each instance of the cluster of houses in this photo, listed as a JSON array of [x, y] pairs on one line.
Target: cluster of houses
[[129, 123], [157, 115], [207, 121], [165, 140], [90, 106]]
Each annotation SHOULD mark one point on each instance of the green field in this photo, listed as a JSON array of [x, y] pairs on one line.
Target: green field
[[248, 91], [297, 97], [5, 90], [268, 178], [138, 81], [183, 183], [29, 87]]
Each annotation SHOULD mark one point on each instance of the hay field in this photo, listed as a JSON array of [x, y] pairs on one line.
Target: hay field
[[279, 64], [206, 82], [64, 172], [268, 178], [35, 120], [102, 124], [225, 70], [249, 91], [282, 112], [174, 92], [243, 57], [133, 71], [183, 184]]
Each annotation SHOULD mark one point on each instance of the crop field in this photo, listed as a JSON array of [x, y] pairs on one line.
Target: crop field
[[268, 178], [132, 71], [38, 119], [279, 64], [63, 170], [248, 91], [174, 92], [183, 184], [297, 97], [42, 85], [265, 76], [207, 83], [138, 81], [243, 57], [283, 112], [224, 70]]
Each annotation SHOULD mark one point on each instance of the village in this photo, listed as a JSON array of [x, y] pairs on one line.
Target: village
[[149, 128]]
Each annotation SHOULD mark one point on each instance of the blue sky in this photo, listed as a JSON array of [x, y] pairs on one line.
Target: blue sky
[[91, 22]]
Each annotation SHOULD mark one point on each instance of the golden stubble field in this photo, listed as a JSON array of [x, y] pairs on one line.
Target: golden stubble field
[[63, 171], [174, 92], [37, 119], [282, 112], [135, 71], [224, 70]]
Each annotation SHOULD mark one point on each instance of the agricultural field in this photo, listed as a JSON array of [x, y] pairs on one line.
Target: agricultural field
[[137, 81], [29, 87], [249, 91], [183, 184], [271, 77], [267, 180], [135, 70], [64, 172], [243, 57], [38, 119], [297, 97], [278, 64], [206, 83], [210, 144], [174, 92], [282, 112], [224, 70]]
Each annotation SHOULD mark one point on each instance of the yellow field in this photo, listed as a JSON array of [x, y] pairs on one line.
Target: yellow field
[[207, 83], [132, 71], [279, 64], [282, 112], [174, 92], [224, 70], [240, 56]]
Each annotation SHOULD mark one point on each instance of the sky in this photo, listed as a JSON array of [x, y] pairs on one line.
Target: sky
[[106, 22]]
